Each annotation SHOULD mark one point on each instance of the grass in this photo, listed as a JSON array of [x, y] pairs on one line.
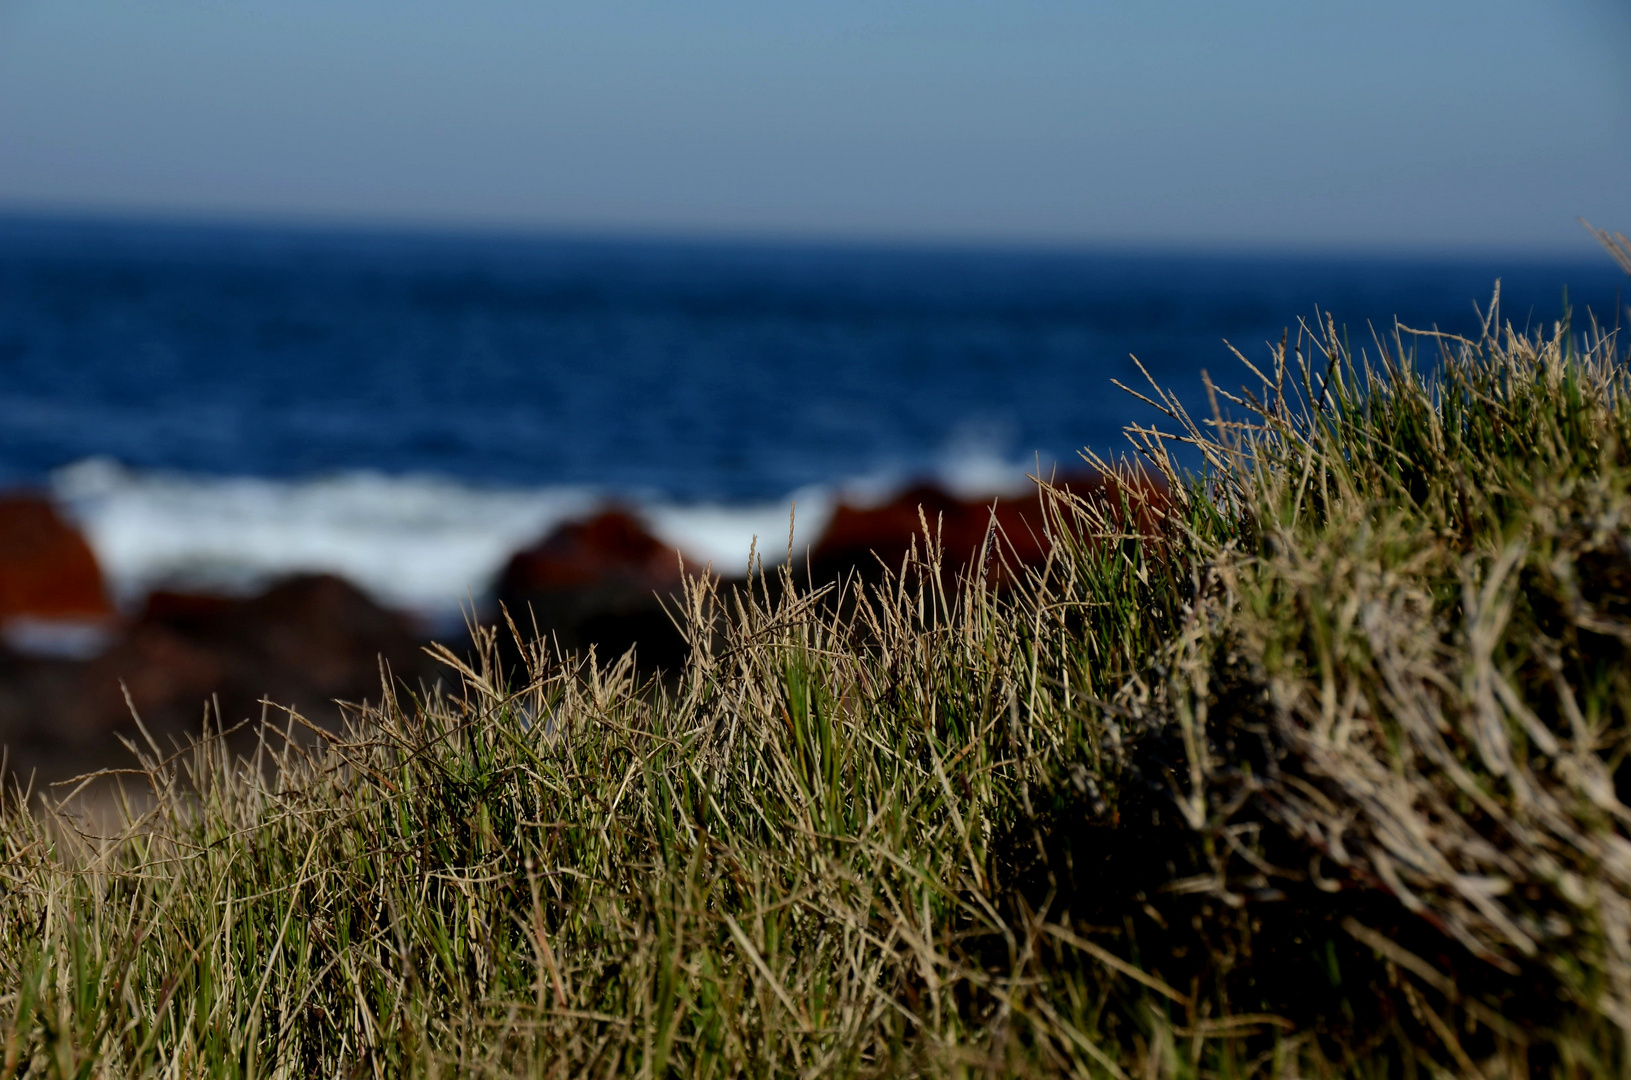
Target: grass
[[1316, 769]]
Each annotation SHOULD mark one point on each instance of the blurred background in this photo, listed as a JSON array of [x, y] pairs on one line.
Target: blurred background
[[392, 291], [389, 289]]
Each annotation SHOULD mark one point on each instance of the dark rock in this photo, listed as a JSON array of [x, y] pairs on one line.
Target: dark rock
[[305, 643], [865, 541], [869, 540], [602, 582], [599, 583], [308, 639]]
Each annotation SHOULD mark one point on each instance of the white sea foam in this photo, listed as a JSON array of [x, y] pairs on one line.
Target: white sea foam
[[426, 545], [421, 544], [724, 535], [66, 639]]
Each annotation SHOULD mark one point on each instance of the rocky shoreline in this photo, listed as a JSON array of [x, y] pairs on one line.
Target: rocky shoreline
[[75, 671]]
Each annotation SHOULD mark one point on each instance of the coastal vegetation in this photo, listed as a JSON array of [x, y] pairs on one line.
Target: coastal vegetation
[[1313, 762]]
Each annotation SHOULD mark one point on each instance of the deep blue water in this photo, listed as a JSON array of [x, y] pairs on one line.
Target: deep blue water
[[723, 372]]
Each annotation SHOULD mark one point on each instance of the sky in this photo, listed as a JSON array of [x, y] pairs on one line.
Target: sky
[[1433, 125]]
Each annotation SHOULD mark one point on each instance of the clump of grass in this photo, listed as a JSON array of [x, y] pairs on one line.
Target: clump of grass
[[1419, 636], [1313, 767]]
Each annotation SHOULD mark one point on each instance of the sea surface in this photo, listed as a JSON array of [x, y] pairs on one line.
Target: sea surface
[[221, 405]]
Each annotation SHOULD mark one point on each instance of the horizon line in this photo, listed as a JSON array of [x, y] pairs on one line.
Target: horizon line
[[905, 241]]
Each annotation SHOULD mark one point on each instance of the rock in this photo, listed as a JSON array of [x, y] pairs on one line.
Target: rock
[[183, 609], [601, 582], [866, 540], [170, 679], [304, 643], [597, 583], [47, 570], [610, 548]]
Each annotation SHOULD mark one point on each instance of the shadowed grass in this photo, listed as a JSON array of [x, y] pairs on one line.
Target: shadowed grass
[[1314, 768]]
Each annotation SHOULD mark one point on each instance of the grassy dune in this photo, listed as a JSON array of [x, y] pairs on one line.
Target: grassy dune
[[1315, 770]]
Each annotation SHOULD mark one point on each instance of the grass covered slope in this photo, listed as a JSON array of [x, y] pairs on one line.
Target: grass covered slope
[[1315, 769]]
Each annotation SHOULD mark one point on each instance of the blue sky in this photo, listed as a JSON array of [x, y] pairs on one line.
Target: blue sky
[[1269, 124]]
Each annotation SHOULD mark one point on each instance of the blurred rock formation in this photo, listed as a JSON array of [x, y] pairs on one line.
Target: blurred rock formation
[[305, 643], [47, 570], [602, 582], [867, 540], [312, 640], [599, 583]]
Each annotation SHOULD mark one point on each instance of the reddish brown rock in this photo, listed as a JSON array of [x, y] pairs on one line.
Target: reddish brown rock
[[47, 570], [867, 540], [611, 547], [1134, 501], [600, 583]]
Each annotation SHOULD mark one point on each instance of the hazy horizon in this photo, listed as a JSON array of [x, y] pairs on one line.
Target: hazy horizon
[[1582, 250], [1398, 128], [1585, 250]]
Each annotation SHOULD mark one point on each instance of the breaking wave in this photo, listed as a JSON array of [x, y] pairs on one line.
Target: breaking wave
[[427, 545]]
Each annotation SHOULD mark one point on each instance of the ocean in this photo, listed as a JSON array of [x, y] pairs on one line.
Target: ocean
[[218, 406]]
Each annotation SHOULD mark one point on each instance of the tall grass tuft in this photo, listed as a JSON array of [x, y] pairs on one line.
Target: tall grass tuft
[[1313, 766]]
